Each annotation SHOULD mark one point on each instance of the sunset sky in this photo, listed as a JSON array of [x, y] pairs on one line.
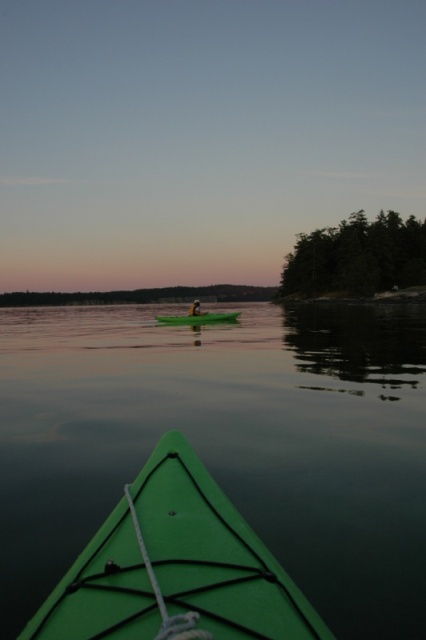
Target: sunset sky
[[151, 143]]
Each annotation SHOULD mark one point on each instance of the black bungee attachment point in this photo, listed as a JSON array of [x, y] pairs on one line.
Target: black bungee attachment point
[[269, 577], [111, 567]]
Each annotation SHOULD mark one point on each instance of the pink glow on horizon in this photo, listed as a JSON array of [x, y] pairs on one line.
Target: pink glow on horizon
[[91, 271], [42, 281]]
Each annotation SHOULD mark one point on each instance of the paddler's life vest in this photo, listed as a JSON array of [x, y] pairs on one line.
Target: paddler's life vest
[[194, 310]]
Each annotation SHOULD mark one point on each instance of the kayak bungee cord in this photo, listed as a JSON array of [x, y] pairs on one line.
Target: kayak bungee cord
[[179, 627], [236, 585]]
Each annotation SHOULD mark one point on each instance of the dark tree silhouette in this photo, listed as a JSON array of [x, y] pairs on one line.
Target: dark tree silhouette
[[358, 258]]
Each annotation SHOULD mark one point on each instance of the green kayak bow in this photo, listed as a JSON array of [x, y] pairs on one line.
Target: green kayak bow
[[175, 556]]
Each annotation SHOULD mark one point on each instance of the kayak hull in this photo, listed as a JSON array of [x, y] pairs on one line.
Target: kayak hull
[[208, 318], [205, 557]]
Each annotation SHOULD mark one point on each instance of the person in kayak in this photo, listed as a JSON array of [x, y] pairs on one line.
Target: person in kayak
[[195, 309]]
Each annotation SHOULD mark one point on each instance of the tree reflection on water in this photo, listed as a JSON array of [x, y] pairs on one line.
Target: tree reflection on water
[[360, 343]]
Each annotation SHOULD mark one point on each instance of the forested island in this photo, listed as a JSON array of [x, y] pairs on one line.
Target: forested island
[[212, 293], [357, 259]]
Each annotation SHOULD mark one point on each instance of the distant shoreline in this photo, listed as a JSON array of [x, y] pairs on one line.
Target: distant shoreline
[[166, 295]]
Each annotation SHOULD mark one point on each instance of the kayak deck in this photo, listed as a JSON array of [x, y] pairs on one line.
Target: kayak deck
[[205, 557], [203, 319]]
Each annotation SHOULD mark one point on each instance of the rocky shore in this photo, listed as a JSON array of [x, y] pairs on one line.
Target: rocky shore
[[412, 295]]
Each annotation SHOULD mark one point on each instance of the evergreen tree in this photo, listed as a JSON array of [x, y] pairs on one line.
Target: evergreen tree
[[358, 258], [310, 267], [357, 268]]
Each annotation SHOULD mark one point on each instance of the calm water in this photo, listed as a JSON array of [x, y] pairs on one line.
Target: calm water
[[311, 419]]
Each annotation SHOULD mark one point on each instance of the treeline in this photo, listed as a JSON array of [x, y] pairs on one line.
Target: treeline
[[216, 293], [359, 258]]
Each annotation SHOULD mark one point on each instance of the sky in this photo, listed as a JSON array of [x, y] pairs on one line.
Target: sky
[[158, 143]]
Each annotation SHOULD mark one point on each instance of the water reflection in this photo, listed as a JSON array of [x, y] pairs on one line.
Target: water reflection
[[359, 343], [197, 329], [197, 336]]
